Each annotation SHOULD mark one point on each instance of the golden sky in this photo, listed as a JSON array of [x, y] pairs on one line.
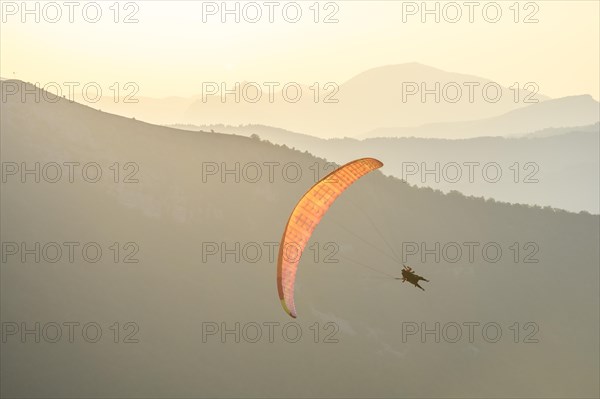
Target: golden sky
[[171, 50]]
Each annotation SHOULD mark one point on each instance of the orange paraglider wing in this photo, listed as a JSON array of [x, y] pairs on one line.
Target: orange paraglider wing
[[304, 218]]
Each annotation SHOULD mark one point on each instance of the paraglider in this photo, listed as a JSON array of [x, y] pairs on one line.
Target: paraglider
[[304, 219], [409, 275]]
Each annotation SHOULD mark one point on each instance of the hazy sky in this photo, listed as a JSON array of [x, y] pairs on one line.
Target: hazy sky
[[171, 51]]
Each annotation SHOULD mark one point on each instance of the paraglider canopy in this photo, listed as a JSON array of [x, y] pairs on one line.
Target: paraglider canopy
[[304, 219]]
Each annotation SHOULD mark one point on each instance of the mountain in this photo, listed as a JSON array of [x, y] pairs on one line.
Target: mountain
[[556, 131], [542, 293], [269, 133], [553, 167], [377, 98], [563, 112], [371, 99], [157, 110]]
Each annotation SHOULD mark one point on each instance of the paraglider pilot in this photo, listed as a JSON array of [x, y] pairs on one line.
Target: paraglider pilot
[[409, 275]]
